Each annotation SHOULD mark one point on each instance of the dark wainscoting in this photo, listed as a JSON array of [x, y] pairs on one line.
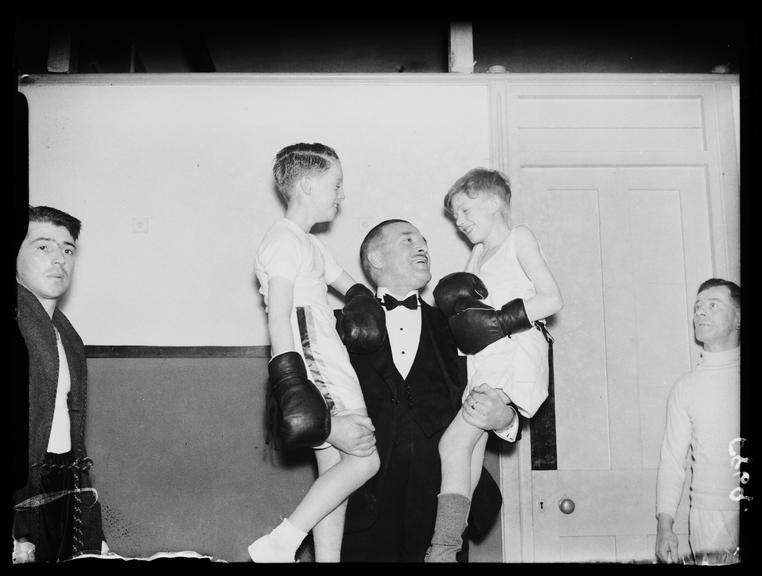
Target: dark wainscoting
[[178, 444], [177, 437]]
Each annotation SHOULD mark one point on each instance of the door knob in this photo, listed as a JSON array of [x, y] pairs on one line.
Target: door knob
[[566, 505]]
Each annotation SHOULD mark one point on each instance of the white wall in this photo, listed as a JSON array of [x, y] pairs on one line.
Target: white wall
[[171, 176]]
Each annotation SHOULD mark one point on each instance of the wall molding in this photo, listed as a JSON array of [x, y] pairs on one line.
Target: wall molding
[[177, 351], [434, 78]]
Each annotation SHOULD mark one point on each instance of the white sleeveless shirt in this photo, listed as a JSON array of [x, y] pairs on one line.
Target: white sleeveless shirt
[[518, 365]]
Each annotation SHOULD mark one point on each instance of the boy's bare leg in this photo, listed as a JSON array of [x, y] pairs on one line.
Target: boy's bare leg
[[477, 461], [328, 535], [340, 474], [456, 450]]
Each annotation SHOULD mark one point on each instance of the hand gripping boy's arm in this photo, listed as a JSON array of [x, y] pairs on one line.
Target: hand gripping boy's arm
[[490, 409]]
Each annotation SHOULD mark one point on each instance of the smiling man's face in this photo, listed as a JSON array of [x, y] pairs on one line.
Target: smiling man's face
[[401, 259]]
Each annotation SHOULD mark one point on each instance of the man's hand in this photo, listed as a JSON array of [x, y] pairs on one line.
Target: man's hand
[[23, 551], [353, 434], [486, 408], [666, 540]]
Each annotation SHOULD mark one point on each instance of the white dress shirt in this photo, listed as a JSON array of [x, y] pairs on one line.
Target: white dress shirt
[[60, 430], [404, 329]]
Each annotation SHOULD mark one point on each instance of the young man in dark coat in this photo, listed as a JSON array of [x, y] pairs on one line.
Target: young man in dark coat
[[412, 387], [56, 512]]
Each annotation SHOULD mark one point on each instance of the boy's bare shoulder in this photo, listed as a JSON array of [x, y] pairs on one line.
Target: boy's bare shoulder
[[523, 232]]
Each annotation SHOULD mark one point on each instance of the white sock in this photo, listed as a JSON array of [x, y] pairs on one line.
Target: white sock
[[280, 545], [287, 536]]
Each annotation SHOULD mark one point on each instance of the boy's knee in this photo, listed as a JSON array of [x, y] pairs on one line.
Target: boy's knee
[[442, 446], [372, 465], [364, 466]]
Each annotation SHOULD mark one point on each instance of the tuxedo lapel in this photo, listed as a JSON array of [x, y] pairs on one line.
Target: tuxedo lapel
[[434, 328], [383, 363]]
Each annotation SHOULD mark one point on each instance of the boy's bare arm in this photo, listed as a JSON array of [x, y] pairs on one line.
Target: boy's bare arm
[[547, 300], [279, 305]]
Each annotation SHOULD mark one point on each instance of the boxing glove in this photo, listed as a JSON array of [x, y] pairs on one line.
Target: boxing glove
[[296, 408], [362, 324], [455, 286], [475, 325]]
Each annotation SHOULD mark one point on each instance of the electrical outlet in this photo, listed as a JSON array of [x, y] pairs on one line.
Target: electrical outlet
[[140, 225]]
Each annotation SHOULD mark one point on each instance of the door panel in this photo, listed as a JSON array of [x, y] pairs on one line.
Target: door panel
[[565, 219], [608, 523]]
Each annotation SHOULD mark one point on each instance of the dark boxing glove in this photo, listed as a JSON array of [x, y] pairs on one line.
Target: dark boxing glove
[[475, 325], [362, 326], [455, 286], [301, 416]]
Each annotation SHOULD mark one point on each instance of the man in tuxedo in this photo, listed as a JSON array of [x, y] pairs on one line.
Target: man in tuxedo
[[412, 387]]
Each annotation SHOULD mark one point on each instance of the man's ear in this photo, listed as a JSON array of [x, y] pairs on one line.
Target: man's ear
[[375, 259]]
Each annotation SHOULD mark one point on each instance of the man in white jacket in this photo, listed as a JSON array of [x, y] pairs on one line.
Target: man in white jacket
[[703, 415]]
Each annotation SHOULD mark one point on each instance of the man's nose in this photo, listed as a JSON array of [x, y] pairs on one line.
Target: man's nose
[[57, 256]]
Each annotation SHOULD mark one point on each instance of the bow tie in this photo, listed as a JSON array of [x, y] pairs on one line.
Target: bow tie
[[390, 302]]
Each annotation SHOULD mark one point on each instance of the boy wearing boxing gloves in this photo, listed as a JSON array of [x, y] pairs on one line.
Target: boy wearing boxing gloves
[[312, 382], [494, 310]]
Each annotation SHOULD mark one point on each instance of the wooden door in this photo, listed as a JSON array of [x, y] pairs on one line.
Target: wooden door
[[631, 185], [628, 247]]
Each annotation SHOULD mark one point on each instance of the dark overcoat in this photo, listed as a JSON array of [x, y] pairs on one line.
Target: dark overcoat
[[41, 351]]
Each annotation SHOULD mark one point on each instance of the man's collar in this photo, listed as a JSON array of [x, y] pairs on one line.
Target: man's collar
[[25, 296], [383, 290], [390, 302]]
